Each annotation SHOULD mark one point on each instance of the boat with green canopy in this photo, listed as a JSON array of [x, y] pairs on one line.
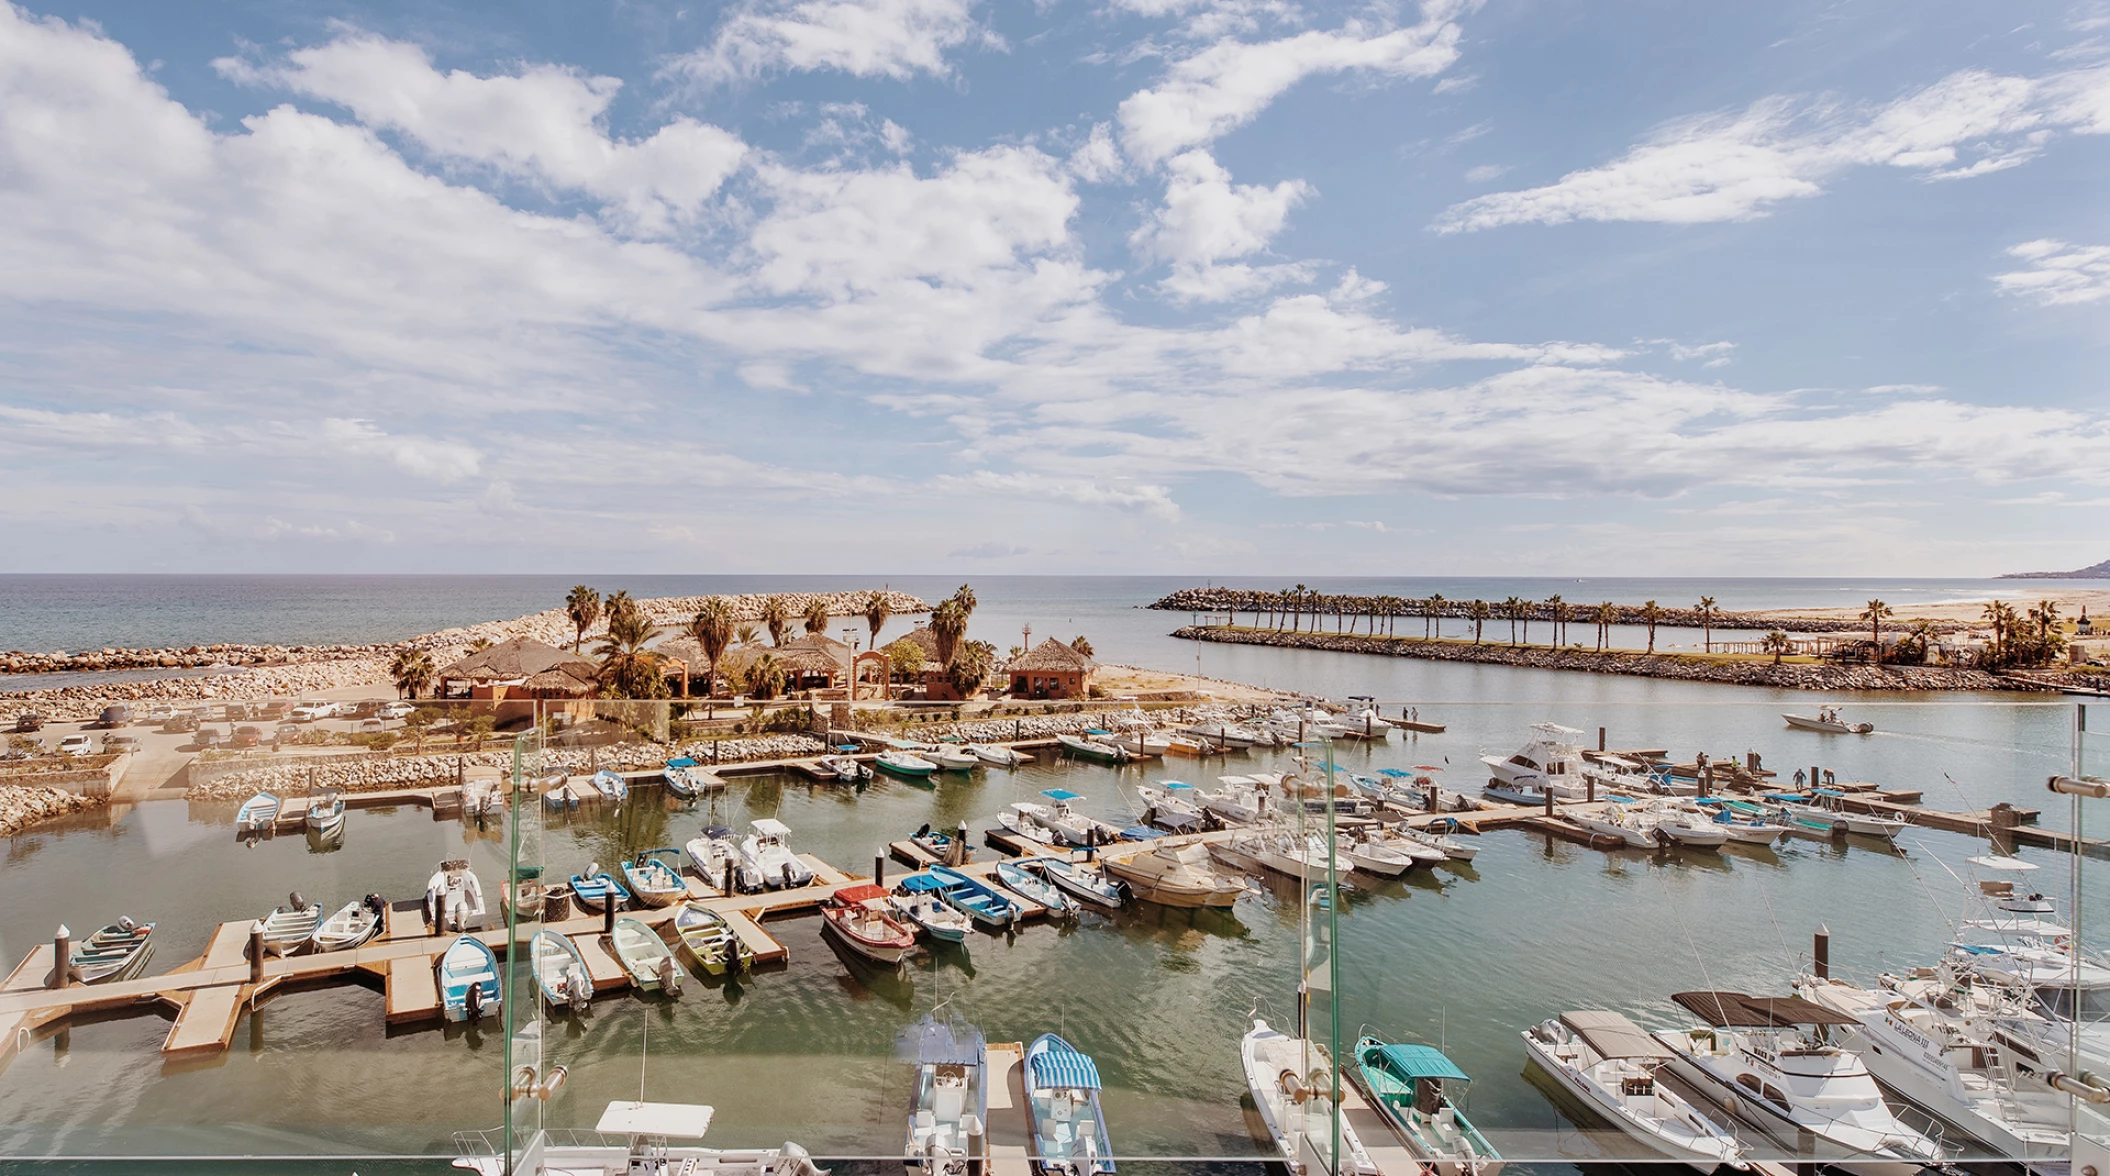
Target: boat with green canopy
[[1412, 1086]]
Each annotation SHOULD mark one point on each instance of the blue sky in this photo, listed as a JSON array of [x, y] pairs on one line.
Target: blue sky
[[1196, 286]]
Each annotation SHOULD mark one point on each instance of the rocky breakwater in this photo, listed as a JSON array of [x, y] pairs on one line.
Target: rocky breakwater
[[1643, 665], [1309, 610], [21, 807], [68, 703]]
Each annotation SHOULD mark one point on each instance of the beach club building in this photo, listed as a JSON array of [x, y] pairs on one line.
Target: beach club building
[[522, 670], [1051, 669]]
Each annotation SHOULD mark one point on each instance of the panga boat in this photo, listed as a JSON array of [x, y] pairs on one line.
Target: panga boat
[[1033, 888], [974, 898], [1171, 796], [645, 956], [352, 925], [1613, 1066], [905, 763], [955, 759], [680, 780], [1062, 1098], [767, 849], [1411, 1087], [710, 940], [917, 901], [258, 814], [326, 814], [1823, 805], [949, 1100], [560, 971], [941, 845], [845, 768], [597, 889], [454, 899], [858, 916], [1082, 881], [1023, 818], [612, 787], [1179, 877], [1003, 757], [1828, 721], [1292, 1084], [468, 979], [1092, 749], [287, 928], [655, 877], [117, 952], [715, 853]]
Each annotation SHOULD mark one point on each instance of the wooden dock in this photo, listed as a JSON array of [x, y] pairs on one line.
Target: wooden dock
[[1009, 1129]]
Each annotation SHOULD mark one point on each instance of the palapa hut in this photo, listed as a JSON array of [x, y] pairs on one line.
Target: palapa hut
[[520, 671], [1051, 670]]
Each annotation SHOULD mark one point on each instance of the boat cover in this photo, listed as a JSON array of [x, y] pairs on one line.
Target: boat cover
[[717, 832], [1612, 1035], [1061, 794], [923, 884], [1395, 773], [681, 762], [1064, 1068], [864, 892], [1140, 833], [1417, 1061], [1736, 1010], [769, 827], [1174, 784]]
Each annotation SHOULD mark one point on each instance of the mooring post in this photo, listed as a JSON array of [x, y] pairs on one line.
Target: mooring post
[[1600, 739], [878, 869], [1814, 776], [61, 957], [728, 884], [1590, 788], [256, 952], [1549, 799], [1430, 797], [1821, 953], [608, 912]]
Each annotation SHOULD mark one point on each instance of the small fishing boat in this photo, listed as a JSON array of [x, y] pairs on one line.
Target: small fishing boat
[[1620, 822], [715, 853], [859, 917], [613, 788], [1689, 829], [326, 814], [559, 796], [1239, 800], [1826, 806], [916, 900], [1023, 818], [1092, 749], [1034, 889], [955, 759], [354, 924], [1381, 859], [1529, 795], [1187, 745], [941, 845], [1411, 1087], [1062, 1099], [644, 955], [1171, 796], [681, 781], [1142, 744], [1002, 757], [596, 889], [710, 940], [905, 763], [454, 899], [974, 898], [1740, 825], [527, 895], [845, 768], [560, 971], [258, 814], [1225, 734], [481, 798], [948, 1114], [1615, 1067], [288, 928], [1828, 722], [1085, 882], [1438, 836], [1176, 877], [767, 850], [654, 877], [1066, 823], [117, 952], [468, 980], [1292, 1083]]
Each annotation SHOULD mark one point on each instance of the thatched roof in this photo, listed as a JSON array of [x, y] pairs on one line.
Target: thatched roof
[[1051, 657], [569, 680], [521, 657], [921, 637]]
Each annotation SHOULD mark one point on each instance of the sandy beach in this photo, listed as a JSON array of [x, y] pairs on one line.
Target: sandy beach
[[2095, 600]]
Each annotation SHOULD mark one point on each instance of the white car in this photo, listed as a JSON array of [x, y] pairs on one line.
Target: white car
[[161, 714], [396, 710], [308, 712], [77, 745]]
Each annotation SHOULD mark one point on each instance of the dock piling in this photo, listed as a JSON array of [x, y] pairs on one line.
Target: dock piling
[[608, 914], [256, 952], [1821, 953], [1549, 801], [1600, 739], [878, 869], [61, 957]]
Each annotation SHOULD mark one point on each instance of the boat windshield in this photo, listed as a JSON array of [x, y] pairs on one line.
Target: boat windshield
[[2066, 1003]]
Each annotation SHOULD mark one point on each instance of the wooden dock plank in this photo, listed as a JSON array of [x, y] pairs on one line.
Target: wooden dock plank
[[607, 971], [229, 945], [207, 1021], [1009, 1131], [31, 973], [910, 854], [765, 946], [413, 992]]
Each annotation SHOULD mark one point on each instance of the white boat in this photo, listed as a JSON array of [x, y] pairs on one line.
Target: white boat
[[1069, 826], [1457, 849], [1003, 757], [1825, 805], [1765, 1059], [454, 899], [326, 813], [1143, 744], [288, 928], [1083, 881], [767, 850], [1386, 859], [1238, 800], [1091, 748], [1022, 817], [714, 853], [1062, 1101], [645, 956], [844, 768], [955, 759], [1226, 734], [1551, 760], [905, 763], [631, 1137], [930, 915], [1829, 722], [1741, 828], [1176, 876], [352, 925], [949, 1097], [1170, 796], [1528, 795], [1620, 822], [560, 971], [258, 814], [1292, 1082], [467, 975], [1606, 1060], [1688, 828]]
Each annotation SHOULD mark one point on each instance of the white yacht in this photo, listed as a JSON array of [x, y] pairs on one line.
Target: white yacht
[[1552, 760], [1171, 796], [1607, 1061], [1291, 1080], [767, 851]]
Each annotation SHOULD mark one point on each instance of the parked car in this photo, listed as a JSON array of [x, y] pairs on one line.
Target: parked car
[[29, 721], [286, 733], [246, 737], [275, 709], [115, 716], [371, 725], [207, 737], [161, 713], [77, 745], [115, 742], [177, 724], [366, 708], [308, 712], [397, 710]]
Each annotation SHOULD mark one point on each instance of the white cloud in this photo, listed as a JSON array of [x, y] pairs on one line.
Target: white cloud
[[1142, 497], [1097, 160], [545, 123], [1729, 167], [423, 457], [868, 38], [2057, 273], [990, 549], [1485, 172], [1207, 218]]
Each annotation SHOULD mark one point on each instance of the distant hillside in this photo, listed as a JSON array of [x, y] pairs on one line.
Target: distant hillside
[[2099, 571]]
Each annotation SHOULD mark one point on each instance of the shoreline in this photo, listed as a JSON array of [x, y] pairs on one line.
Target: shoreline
[[1679, 667]]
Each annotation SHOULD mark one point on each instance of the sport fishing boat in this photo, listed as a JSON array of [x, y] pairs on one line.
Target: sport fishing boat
[[467, 973], [916, 900], [905, 763], [1379, 858], [1292, 1082], [974, 898], [645, 957], [613, 788], [454, 899], [1084, 881], [353, 925], [1092, 749], [560, 971], [117, 952], [949, 1098], [1171, 796], [1141, 743], [655, 877], [1615, 1068], [681, 781], [1437, 836], [1766, 1058], [1551, 760], [596, 890], [258, 814], [1181, 876], [715, 853], [1062, 1099], [845, 768], [767, 849], [859, 916], [1066, 823], [1034, 889], [1239, 800], [1411, 1086], [633, 1138], [1829, 722], [710, 940]]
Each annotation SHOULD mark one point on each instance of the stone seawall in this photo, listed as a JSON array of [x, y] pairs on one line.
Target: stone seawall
[[1692, 669], [23, 806]]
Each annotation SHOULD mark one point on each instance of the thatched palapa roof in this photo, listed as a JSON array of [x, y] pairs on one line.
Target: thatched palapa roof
[[519, 659], [1051, 657]]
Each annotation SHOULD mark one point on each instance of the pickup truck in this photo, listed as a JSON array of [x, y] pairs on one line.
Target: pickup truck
[[308, 712]]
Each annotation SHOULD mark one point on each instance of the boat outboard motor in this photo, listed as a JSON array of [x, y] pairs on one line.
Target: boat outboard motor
[[473, 999], [376, 904], [787, 876], [924, 831], [669, 976], [295, 902]]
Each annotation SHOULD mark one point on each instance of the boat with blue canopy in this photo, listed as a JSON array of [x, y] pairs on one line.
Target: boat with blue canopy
[[974, 898], [680, 781], [1062, 1098], [596, 889], [611, 786], [1412, 1087]]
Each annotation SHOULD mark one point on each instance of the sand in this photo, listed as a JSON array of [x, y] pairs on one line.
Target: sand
[[2071, 602]]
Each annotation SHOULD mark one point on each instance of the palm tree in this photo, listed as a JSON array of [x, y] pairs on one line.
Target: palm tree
[[1776, 643], [1875, 614], [1707, 621], [1527, 608], [965, 595], [1512, 608], [1651, 613], [747, 634], [583, 606], [411, 670], [479, 643], [1297, 596], [1606, 615], [712, 629], [1559, 609], [1432, 614], [947, 625], [817, 615], [877, 610], [1480, 614], [628, 669], [776, 617], [1082, 645], [970, 668], [765, 676]]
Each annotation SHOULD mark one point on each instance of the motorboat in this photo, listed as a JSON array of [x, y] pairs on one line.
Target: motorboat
[[1552, 760], [1035, 889], [1767, 1060], [1411, 1087], [1528, 795], [325, 816], [1226, 734], [258, 814], [1064, 821], [1623, 823], [1171, 796], [1687, 828], [1379, 858], [1740, 827], [1616, 1069], [288, 928], [454, 899], [645, 957], [710, 940], [117, 952], [1437, 836], [942, 845], [767, 849], [1002, 757], [560, 971], [1139, 744], [1092, 749], [481, 798], [467, 975], [954, 759], [916, 900], [1176, 876], [681, 780], [905, 763], [633, 1138], [1187, 745], [862, 918], [1062, 1100], [597, 890], [1824, 805], [1828, 722], [1084, 881], [949, 1098], [845, 768], [1022, 818], [1293, 1082], [654, 878], [613, 788], [974, 898], [353, 925], [1238, 800], [716, 856]]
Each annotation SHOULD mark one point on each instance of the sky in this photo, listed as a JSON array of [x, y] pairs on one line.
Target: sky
[[1524, 287]]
